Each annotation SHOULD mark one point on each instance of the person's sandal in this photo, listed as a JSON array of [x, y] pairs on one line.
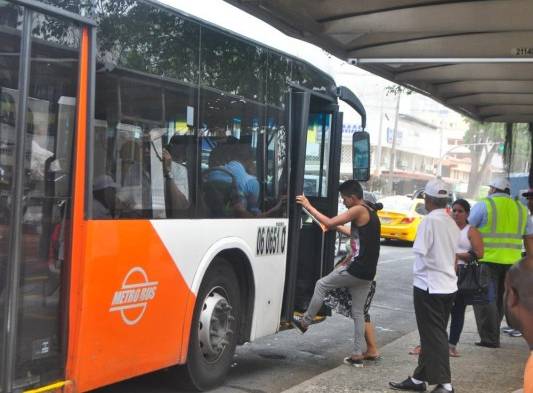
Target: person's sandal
[[354, 362], [453, 352], [299, 325], [415, 351]]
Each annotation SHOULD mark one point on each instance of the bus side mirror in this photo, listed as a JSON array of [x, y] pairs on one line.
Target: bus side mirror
[[361, 155]]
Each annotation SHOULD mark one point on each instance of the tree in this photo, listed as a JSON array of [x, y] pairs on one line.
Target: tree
[[484, 140]]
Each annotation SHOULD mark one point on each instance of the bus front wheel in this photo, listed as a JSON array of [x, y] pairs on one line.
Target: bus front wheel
[[214, 328]]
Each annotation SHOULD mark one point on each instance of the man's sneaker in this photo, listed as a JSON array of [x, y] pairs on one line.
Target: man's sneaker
[[441, 389], [487, 345], [507, 329], [354, 363], [300, 325], [515, 333]]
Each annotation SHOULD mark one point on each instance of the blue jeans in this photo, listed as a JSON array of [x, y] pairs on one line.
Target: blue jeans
[[457, 318]]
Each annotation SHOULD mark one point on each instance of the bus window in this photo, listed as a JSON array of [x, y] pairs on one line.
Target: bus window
[[9, 63], [145, 146], [276, 163], [222, 55], [51, 115], [231, 156], [317, 155]]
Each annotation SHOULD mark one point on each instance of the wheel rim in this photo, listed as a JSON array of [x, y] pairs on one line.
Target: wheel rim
[[214, 327]]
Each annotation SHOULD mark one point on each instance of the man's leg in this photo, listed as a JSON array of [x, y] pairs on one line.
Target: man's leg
[[371, 343], [359, 291], [487, 315], [338, 278], [370, 334], [432, 313], [500, 291]]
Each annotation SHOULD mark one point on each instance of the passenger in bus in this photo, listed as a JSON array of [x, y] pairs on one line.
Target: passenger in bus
[[134, 178], [104, 197], [232, 163], [358, 275], [176, 175]]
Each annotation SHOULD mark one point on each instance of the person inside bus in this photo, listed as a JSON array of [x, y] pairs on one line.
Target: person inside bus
[[176, 175], [358, 275], [231, 163], [104, 197]]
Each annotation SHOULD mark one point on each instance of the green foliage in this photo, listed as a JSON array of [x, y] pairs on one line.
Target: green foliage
[[485, 133], [135, 35], [395, 90]]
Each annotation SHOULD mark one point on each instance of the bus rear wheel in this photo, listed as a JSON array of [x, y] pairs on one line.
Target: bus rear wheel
[[214, 328]]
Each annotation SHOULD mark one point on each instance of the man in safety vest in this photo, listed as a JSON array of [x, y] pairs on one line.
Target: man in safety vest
[[502, 222]]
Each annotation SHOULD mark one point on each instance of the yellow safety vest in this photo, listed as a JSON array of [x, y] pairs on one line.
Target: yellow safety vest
[[504, 230]]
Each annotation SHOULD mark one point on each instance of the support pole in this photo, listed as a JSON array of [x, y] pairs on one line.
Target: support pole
[[392, 163]]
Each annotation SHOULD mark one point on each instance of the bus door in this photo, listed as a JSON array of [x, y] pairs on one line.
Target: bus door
[[315, 164], [40, 62]]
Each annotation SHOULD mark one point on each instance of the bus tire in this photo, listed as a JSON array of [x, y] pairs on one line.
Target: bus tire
[[214, 333]]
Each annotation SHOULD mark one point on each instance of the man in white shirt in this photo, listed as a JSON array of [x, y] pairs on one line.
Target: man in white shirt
[[435, 285]]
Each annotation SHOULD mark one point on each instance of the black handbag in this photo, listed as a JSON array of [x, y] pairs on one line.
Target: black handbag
[[474, 283]]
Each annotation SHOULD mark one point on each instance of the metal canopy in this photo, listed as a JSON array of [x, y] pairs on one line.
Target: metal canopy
[[475, 57]]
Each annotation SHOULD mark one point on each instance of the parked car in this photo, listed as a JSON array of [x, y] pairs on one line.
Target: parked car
[[400, 217]]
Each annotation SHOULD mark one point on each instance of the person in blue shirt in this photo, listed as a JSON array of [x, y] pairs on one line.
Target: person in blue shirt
[[240, 168]]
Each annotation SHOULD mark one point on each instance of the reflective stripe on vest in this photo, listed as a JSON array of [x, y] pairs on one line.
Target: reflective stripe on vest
[[503, 232]]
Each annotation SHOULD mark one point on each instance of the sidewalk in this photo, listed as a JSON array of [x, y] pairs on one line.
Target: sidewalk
[[477, 370]]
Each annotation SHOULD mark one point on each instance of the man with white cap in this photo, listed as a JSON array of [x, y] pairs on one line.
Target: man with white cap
[[104, 197], [435, 285], [502, 222]]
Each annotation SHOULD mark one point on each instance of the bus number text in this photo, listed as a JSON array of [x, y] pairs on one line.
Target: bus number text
[[271, 240]]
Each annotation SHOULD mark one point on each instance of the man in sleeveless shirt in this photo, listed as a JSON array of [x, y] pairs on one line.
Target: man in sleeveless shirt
[[357, 276], [435, 285], [519, 308]]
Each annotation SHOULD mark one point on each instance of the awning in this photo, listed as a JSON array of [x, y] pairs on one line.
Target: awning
[[475, 57]]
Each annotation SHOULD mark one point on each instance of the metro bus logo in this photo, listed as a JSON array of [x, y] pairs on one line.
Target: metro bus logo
[[132, 299]]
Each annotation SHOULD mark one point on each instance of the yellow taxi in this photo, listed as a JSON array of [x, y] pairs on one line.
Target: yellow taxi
[[400, 217]]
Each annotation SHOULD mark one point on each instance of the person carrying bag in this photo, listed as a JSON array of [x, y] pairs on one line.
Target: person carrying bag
[[474, 282]]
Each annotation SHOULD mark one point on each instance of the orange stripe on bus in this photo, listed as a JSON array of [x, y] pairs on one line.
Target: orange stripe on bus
[[135, 302], [119, 270], [78, 223]]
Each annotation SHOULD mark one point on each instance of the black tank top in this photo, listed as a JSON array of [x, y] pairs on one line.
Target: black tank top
[[366, 241]]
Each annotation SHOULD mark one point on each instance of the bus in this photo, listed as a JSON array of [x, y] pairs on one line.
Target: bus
[[149, 163]]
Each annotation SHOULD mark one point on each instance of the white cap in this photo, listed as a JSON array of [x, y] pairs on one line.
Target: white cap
[[501, 183], [436, 188], [104, 181]]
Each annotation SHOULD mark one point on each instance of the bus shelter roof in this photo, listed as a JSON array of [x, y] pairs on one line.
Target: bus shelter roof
[[475, 57]]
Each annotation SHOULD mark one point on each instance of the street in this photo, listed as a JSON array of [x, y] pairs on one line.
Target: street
[[275, 363]]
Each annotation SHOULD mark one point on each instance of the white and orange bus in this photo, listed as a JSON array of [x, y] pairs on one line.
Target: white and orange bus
[[148, 167]]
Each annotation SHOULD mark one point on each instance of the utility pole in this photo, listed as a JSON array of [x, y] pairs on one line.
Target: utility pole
[[392, 163], [377, 171], [441, 155]]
